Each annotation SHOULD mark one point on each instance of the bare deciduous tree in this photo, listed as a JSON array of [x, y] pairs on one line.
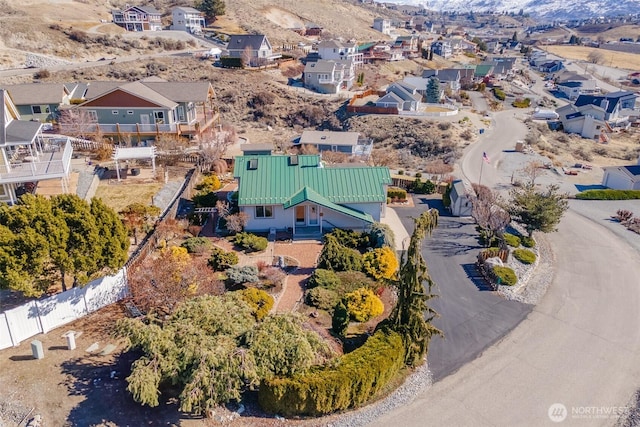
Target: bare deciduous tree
[[595, 57], [532, 171], [488, 213], [77, 123], [237, 222], [383, 157]]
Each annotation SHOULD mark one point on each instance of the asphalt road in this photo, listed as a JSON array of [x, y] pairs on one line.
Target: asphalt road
[[579, 347], [472, 317]]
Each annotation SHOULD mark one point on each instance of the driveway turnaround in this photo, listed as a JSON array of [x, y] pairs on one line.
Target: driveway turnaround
[[472, 316], [573, 359]]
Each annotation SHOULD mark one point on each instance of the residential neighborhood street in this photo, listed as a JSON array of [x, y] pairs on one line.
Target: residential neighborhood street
[[472, 317], [578, 348]]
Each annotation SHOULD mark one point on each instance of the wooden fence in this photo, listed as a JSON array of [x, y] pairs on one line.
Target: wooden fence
[[368, 109]]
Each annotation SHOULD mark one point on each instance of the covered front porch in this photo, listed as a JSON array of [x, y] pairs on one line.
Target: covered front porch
[[313, 214]]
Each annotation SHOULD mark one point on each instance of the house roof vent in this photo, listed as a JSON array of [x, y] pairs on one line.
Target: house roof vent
[[253, 164]]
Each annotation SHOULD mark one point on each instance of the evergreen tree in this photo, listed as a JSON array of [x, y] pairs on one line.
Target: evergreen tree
[[340, 319], [114, 235], [538, 210], [211, 8], [433, 90], [411, 316]]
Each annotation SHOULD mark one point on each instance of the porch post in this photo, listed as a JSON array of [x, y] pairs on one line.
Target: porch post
[[117, 170], [320, 217]]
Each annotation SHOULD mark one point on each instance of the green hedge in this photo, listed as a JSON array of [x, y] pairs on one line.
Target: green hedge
[[525, 256], [609, 195], [350, 382], [499, 93], [506, 275], [397, 193], [323, 278], [512, 240], [229, 62], [527, 242], [251, 242]]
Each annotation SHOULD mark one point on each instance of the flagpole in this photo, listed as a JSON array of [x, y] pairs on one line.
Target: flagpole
[[480, 178]]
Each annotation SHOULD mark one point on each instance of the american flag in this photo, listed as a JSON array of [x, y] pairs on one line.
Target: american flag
[[485, 157]]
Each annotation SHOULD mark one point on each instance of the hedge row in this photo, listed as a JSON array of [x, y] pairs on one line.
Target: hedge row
[[525, 256], [609, 195], [251, 242], [397, 193], [355, 378]]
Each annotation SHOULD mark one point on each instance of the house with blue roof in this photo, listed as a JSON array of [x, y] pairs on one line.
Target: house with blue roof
[[622, 177], [298, 193], [619, 106]]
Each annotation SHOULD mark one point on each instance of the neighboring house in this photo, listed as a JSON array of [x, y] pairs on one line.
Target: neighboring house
[[379, 52], [409, 45], [26, 157], [253, 49], [442, 48], [588, 120], [622, 177], [351, 143], [335, 50], [187, 19], [298, 193], [460, 199], [382, 25], [423, 25], [329, 76], [138, 18], [449, 76], [400, 95], [503, 67], [39, 101], [551, 66], [421, 84], [483, 70], [313, 29], [618, 106], [572, 88], [257, 149], [148, 108]]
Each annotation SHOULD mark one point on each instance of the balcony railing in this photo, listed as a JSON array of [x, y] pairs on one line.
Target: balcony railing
[[54, 162]]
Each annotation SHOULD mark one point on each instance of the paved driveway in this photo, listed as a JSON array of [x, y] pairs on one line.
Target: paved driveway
[[471, 316]]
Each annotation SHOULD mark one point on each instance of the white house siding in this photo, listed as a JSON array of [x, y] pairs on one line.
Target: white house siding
[[617, 181], [281, 220], [374, 209]]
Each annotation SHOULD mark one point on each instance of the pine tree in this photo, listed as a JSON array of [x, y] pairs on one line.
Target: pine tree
[[433, 90], [412, 316], [211, 8], [340, 319]]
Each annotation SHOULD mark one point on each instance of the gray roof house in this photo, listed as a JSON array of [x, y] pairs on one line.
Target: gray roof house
[[401, 95], [329, 76], [26, 156], [351, 143], [188, 19], [39, 101], [253, 49], [450, 76]]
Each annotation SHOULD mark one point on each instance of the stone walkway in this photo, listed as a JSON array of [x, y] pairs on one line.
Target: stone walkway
[[306, 253]]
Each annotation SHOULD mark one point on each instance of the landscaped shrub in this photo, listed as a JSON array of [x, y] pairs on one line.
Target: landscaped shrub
[[512, 240], [527, 241], [259, 301], [340, 319], [322, 298], [350, 382], [251, 242], [336, 257], [426, 187], [525, 256], [505, 275], [196, 245], [380, 263], [220, 259], [381, 235], [609, 195], [352, 280], [522, 103], [349, 238], [241, 275], [209, 184], [397, 194], [446, 197], [499, 93], [324, 279], [363, 305]]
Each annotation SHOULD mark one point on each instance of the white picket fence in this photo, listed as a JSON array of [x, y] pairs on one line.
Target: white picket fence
[[35, 317]]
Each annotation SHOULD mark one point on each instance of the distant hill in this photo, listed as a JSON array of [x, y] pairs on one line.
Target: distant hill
[[548, 9]]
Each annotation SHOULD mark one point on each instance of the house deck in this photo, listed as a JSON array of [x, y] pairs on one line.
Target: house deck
[[53, 163]]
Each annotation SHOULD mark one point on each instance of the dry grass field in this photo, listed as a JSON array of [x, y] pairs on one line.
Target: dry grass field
[[627, 61], [118, 195]]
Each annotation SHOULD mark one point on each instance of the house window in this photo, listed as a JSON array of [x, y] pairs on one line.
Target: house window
[[130, 112], [93, 115], [264, 212], [158, 116], [36, 109], [115, 112], [181, 116]]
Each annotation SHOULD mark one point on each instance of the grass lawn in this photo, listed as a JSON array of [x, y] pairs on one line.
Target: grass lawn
[[119, 196], [627, 61]]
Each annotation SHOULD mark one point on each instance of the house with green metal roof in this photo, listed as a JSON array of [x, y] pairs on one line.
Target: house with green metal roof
[[299, 193]]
